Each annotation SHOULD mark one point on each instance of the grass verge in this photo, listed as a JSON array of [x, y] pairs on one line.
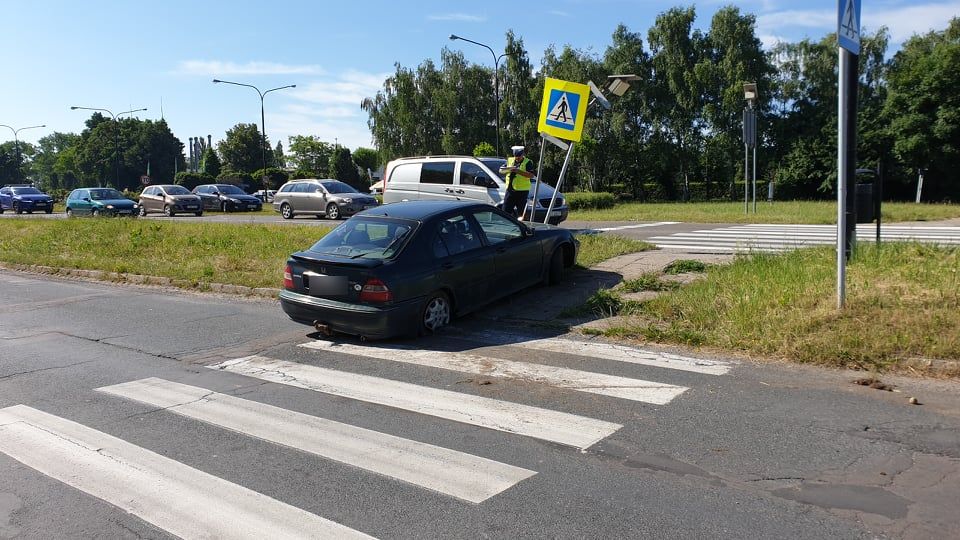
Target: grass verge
[[902, 309], [806, 212], [595, 248]]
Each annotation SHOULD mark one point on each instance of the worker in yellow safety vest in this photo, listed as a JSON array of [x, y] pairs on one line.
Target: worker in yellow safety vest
[[517, 172]]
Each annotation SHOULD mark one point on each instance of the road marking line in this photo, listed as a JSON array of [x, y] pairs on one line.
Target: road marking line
[[181, 500], [638, 226], [453, 473], [560, 377], [559, 427], [603, 351]]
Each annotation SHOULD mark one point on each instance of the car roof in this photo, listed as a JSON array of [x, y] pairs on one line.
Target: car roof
[[420, 210]]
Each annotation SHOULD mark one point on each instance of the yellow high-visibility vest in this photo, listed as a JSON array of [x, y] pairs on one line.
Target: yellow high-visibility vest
[[517, 181]]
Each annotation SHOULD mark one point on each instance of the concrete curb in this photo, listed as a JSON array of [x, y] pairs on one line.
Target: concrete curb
[[139, 279]]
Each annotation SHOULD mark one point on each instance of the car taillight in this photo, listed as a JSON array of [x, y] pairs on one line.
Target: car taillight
[[288, 278], [375, 290]]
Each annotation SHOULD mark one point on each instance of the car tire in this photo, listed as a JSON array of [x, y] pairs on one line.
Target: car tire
[[333, 211], [223, 207], [285, 211], [95, 213], [68, 212], [143, 211], [436, 313], [16, 209], [199, 214], [168, 211], [49, 210], [555, 271]]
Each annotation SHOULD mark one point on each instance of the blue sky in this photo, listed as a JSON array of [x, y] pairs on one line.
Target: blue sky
[[124, 55]]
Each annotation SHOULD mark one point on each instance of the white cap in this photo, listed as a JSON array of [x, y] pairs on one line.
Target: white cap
[[516, 149]]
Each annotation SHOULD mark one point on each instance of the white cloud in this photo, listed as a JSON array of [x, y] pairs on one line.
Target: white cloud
[[903, 21], [558, 13], [459, 17], [216, 67]]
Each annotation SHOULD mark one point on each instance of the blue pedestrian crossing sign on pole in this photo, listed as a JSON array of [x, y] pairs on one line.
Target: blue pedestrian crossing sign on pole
[[563, 110], [848, 25]]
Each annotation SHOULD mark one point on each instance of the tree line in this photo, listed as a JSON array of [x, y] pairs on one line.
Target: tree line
[[677, 132]]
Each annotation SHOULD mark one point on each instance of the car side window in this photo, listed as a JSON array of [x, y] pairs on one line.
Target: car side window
[[201, 189], [459, 235], [497, 228], [287, 188], [406, 173], [472, 175], [437, 172], [439, 247]]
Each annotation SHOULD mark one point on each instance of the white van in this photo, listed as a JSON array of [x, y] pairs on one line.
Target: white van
[[462, 178]]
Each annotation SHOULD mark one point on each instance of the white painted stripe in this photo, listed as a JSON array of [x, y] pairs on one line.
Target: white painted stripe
[[179, 499], [560, 377], [563, 428], [638, 226], [453, 473], [604, 351]]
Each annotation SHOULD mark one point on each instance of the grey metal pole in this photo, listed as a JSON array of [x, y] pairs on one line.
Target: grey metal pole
[[746, 178], [556, 189], [754, 173], [842, 178], [536, 186]]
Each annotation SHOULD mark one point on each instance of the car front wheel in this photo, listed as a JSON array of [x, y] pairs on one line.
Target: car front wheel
[[16, 209], [436, 313], [333, 211], [285, 211], [143, 211], [95, 213], [168, 211]]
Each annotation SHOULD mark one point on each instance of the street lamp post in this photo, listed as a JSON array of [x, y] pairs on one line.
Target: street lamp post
[[749, 141], [116, 139], [16, 143], [496, 82], [263, 123]]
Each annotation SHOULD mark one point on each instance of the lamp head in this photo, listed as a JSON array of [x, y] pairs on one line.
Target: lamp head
[[454, 37], [750, 92], [619, 84], [217, 81]]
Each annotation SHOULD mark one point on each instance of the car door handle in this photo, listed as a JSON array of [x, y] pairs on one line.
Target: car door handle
[[460, 191], [447, 190]]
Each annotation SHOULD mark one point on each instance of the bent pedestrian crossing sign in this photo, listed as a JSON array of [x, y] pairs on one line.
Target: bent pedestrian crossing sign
[[563, 109]]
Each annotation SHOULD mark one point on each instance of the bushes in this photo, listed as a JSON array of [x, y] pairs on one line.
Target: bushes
[[191, 180], [590, 201]]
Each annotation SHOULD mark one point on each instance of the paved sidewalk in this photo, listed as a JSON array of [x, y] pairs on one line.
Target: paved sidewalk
[[543, 305]]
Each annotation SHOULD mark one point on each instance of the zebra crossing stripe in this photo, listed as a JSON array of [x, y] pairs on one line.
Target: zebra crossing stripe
[[179, 499], [453, 473], [603, 351], [560, 377], [544, 424]]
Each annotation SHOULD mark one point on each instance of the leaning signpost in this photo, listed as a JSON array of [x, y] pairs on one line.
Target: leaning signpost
[[848, 37]]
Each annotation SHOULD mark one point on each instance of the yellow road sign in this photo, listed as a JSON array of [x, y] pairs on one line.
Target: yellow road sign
[[564, 109]]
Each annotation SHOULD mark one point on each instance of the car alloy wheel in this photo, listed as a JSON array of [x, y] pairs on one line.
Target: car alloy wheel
[[223, 206], [69, 212], [143, 211], [333, 211], [436, 313], [285, 211], [168, 211], [16, 209], [95, 213]]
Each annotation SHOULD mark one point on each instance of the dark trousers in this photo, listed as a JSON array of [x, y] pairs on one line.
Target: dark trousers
[[515, 202]]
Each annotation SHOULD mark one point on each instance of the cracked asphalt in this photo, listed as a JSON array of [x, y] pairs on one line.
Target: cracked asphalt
[[764, 451]]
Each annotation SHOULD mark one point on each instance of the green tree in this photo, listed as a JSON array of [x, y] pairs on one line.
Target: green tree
[[279, 160], [50, 150], [484, 149], [923, 108], [309, 153], [342, 167], [117, 153], [210, 163], [519, 111], [242, 147]]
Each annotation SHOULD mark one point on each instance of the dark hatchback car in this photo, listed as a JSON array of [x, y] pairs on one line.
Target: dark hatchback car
[[226, 198], [22, 199], [409, 267]]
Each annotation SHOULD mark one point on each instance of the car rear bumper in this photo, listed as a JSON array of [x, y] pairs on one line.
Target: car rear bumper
[[356, 319]]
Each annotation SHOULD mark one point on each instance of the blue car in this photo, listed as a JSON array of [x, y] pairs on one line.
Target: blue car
[[22, 199], [97, 201]]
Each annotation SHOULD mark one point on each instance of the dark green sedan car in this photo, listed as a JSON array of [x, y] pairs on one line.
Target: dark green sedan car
[[409, 267]]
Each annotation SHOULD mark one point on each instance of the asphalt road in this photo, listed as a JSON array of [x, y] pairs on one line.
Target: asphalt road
[[531, 434]]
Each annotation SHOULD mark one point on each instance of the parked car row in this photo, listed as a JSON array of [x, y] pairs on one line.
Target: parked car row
[[168, 199]]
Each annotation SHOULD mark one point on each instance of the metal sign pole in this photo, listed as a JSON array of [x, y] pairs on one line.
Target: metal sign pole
[[754, 172], [556, 189], [746, 178], [536, 187], [842, 179]]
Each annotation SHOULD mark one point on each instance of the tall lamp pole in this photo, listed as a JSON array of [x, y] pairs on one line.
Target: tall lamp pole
[[263, 123], [116, 139], [16, 143], [496, 81]]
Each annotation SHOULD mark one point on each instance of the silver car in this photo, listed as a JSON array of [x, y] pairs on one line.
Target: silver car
[[328, 198], [169, 199]]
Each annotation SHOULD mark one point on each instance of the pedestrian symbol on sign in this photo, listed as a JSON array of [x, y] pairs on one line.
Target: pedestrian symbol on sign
[[563, 109]]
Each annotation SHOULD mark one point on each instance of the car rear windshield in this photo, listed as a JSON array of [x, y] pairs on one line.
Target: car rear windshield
[[230, 190], [105, 194], [26, 191], [371, 238], [338, 187]]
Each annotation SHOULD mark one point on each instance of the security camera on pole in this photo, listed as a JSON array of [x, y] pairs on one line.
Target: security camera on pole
[[848, 36]]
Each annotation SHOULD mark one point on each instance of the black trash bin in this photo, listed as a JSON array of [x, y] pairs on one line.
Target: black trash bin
[[865, 206]]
